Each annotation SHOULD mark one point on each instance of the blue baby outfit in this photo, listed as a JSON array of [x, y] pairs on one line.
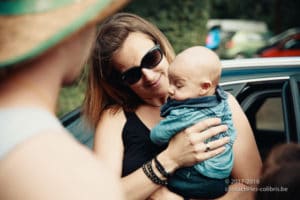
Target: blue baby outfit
[[182, 114]]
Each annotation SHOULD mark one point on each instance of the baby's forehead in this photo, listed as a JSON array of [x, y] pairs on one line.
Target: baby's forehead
[[186, 63], [183, 70], [175, 69], [177, 66], [197, 59], [197, 54]]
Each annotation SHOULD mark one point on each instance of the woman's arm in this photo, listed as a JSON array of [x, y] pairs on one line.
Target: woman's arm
[[109, 147], [185, 149], [108, 143], [247, 161], [165, 194]]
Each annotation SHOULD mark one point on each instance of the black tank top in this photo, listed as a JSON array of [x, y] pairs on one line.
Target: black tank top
[[138, 147]]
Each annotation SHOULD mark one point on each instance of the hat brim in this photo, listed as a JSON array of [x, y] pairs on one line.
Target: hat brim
[[27, 36]]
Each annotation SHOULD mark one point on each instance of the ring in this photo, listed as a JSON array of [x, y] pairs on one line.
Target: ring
[[207, 147]]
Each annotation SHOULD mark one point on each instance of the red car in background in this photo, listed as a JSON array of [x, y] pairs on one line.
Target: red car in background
[[289, 46]]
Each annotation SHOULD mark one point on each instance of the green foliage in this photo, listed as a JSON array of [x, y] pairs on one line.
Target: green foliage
[[183, 22], [71, 97]]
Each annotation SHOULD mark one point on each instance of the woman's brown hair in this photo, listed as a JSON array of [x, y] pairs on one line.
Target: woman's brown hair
[[105, 89]]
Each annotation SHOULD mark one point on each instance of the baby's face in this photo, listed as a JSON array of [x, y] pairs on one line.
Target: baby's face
[[194, 73], [184, 83]]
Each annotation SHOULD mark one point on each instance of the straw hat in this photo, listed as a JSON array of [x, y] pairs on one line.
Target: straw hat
[[30, 27]]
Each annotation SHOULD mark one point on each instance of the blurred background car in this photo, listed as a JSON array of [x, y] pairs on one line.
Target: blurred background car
[[283, 35], [284, 44], [239, 38], [243, 44]]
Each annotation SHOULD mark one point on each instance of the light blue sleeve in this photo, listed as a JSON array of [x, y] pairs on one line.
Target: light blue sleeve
[[221, 165], [176, 121]]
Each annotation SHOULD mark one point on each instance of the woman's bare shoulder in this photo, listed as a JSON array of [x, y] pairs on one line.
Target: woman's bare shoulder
[[113, 114], [111, 121], [232, 100]]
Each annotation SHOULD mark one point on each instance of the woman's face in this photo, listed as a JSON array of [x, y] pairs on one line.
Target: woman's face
[[153, 82]]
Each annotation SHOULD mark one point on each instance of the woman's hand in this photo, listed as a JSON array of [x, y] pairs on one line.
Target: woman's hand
[[188, 147], [164, 194]]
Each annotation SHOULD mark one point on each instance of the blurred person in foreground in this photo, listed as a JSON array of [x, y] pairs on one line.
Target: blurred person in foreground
[[280, 178], [43, 46]]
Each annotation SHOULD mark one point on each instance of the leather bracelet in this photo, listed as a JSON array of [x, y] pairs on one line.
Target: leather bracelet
[[160, 168], [159, 181], [147, 168]]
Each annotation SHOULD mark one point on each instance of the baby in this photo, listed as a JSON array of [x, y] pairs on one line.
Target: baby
[[195, 95]]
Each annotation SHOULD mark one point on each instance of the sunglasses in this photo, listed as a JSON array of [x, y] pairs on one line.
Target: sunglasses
[[149, 61]]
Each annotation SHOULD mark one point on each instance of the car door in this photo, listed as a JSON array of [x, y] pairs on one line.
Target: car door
[[291, 106], [270, 109]]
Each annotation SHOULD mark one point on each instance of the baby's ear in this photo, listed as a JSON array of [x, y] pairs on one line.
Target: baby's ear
[[205, 85]]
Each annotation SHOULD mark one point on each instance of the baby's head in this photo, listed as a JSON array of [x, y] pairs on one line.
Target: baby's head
[[194, 72]]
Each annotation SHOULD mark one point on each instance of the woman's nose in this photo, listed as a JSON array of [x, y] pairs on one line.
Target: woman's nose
[[148, 74]]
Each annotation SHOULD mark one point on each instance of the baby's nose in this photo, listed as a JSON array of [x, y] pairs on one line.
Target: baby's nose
[[171, 90]]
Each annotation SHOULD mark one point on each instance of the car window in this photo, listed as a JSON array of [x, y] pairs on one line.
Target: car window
[[270, 115], [254, 37], [292, 44], [262, 103]]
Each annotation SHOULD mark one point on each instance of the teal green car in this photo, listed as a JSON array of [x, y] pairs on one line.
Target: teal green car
[[268, 90]]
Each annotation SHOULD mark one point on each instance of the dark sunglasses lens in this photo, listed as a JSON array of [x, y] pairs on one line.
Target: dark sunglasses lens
[[152, 58], [132, 76]]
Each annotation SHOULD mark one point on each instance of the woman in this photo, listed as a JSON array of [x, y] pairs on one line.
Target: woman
[[123, 102]]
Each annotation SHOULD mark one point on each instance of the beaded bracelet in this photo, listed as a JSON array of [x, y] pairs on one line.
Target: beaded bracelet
[[154, 176], [160, 168], [147, 168]]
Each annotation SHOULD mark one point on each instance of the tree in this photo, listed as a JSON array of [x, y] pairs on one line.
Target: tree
[[183, 22]]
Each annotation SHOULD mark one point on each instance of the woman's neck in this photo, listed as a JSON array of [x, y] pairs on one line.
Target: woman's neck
[[149, 115], [156, 102]]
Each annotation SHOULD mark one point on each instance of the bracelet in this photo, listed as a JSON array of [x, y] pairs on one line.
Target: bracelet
[[147, 168], [160, 168]]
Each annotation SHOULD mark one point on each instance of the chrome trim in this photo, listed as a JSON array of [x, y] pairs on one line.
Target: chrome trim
[[259, 62], [254, 80]]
